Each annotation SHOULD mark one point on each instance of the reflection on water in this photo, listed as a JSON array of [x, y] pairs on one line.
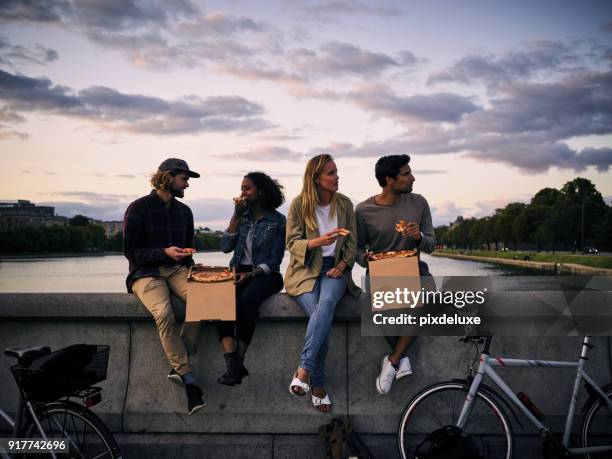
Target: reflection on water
[[107, 273]]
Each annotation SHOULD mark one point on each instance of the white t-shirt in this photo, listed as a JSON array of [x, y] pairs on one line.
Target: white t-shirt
[[326, 224]]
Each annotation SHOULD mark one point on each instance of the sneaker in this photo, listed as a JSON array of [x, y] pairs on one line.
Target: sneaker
[[405, 368], [194, 398], [386, 376], [175, 377]]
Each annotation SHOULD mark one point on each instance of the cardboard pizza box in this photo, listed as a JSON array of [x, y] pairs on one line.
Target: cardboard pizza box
[[210, 301], [389, 274]]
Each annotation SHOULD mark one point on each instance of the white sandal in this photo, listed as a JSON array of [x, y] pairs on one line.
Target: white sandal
[[316, 401], [296, 382]]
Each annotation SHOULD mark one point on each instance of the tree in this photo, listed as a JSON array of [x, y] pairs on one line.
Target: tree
[[505, 222], [603, 231], [78, 220], [585, 207]]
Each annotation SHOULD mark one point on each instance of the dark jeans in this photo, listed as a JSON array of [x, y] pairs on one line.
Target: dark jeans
[[249, 297]]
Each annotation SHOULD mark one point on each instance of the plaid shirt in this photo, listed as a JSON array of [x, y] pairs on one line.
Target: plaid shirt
[[149, 226]]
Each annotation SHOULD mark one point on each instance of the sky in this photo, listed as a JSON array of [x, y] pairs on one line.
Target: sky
[[492, 100]]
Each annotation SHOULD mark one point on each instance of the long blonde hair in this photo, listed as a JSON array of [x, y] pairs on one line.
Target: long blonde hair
[[310, 199], [160, 180]]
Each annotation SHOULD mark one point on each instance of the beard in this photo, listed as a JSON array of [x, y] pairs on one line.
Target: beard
[[177, 193], [405, 190]]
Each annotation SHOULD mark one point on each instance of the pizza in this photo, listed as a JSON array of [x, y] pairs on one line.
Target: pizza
[[212, 276], [343, 232], [393, 254], [401, 226], [239, 200]]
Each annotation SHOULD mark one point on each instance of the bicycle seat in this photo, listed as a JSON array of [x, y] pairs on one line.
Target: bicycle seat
[[28, 353]]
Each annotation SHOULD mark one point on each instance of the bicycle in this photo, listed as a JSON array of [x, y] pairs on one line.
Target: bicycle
[[468, 414], [43, 378]]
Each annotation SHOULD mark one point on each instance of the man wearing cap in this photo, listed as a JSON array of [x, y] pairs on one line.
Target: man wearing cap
[[158, 239]]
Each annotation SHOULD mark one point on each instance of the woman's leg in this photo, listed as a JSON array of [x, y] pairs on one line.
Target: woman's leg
[[332, 291], [308, 302], [255, 292]]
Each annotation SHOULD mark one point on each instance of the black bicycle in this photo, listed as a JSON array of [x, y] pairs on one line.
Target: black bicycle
[[47, 420]]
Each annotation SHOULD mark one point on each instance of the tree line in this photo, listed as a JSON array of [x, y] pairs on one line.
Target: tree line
[[79, 236], [570, 218]]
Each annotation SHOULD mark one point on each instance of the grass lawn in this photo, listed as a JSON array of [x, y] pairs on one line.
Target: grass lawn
[[595, 261]]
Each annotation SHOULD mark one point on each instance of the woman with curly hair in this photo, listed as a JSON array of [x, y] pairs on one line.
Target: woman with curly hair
[[256, 235], [321, 238]]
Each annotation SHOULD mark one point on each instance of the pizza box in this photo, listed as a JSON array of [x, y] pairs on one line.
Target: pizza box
[[389, 274], [210, 300]]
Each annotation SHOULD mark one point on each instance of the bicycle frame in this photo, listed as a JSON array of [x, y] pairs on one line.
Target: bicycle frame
[[16, 423], [485, 367]]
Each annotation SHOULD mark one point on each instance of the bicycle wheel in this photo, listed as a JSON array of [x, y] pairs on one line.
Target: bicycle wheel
[[597, 427], [87, 435], [440, 405]]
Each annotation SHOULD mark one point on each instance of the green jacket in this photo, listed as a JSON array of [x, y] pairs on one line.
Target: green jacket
[[305, 265]]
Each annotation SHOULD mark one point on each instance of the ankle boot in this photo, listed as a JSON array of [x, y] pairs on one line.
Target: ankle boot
[[233, 374], [243, 371]]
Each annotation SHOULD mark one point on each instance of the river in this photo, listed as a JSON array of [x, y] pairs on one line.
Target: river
[[107, 273]]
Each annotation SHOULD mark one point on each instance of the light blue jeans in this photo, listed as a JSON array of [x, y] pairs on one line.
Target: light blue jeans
[[320, 305]]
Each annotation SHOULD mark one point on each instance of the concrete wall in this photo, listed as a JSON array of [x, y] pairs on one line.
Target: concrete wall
[[139, 403]]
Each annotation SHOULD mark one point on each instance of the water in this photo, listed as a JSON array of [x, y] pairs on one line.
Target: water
[[107, 273]]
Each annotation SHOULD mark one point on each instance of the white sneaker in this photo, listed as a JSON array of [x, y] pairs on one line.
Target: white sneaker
[[386, 376], [405, 368]]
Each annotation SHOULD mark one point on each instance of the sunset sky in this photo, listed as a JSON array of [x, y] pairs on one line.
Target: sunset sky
[[493, 100]]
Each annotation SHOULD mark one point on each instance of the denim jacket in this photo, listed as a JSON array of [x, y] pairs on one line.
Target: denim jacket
[[268, 240]]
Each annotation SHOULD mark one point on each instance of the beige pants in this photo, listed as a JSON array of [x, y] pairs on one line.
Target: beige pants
[[154, 293]]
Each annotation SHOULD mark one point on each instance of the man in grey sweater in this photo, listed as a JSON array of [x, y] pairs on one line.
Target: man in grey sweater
[[377, 218]]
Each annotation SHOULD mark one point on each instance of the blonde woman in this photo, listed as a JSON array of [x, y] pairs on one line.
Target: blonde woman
[[321, 239]]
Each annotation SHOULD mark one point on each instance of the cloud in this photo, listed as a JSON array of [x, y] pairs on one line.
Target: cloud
[[32, 10], [168, 34], [446, 107], [526, 125], [103, 14], [534, 59], [572, 106], [14, 56], [442, 213], [607, 27], [267, 153], [219, 23], [133, 113], [12, 135], [6, 132], [332, 11], [275, 175], [342, 59], [488, 207]]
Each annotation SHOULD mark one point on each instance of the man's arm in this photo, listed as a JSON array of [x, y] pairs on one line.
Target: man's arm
[[133, 240], [190, 237], [428, 243]]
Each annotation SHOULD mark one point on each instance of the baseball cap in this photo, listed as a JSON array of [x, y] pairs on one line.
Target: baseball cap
[[175, 164]]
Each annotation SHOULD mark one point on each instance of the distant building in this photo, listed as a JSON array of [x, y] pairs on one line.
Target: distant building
[[22, 212], [110, 228]]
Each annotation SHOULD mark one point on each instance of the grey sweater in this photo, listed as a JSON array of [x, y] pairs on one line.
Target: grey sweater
[[376, 225]]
